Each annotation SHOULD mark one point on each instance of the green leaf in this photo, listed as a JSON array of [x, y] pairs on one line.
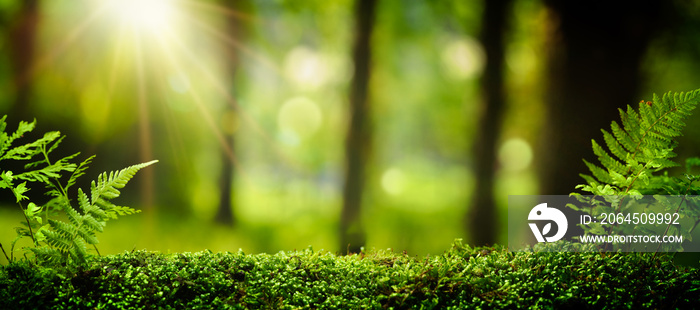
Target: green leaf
[[6, 179], [19, 191], [32, 212], [107, 185], [6, 141], [80, 171]]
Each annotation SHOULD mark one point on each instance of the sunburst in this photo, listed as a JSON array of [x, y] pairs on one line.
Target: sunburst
[[146, 43]]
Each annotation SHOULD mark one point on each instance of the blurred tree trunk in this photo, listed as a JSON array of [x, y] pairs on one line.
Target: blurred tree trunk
[[595, 53], [22, 47], [481, 217], [359, 136], [236, 30], [20, 37]]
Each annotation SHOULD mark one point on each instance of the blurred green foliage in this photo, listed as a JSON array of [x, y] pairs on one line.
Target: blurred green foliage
[[130, 90]]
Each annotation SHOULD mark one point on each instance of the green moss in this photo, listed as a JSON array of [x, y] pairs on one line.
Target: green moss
[[461, 277]]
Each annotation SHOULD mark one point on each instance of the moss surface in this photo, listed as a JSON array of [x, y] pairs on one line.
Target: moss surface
[[461, 277]]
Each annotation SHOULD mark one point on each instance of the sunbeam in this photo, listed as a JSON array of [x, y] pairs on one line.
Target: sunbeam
[[155, 16], [145, 140], [130, 52], [221, 88]]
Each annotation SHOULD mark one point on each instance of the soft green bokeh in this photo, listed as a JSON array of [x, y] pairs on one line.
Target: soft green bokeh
[[129, 94]]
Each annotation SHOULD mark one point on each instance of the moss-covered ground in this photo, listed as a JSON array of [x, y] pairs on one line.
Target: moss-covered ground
[[462, 277]]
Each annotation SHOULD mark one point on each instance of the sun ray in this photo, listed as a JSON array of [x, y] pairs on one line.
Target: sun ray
[[143, 23], [221, 89], [237, 45], [203, 110], [229, 99], [145, 139], [252, 122], [116, 62], [154, 16]]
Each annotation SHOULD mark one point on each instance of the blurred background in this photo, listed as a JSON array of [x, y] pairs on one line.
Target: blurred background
[[281, 125]]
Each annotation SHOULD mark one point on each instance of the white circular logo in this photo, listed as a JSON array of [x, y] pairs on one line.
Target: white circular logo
[[541, 212]]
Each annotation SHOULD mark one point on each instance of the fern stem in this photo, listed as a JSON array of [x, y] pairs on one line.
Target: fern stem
[[694, 226], [3, 252], [677, 209], [29, 224], [629, 187], [646, 167], [58, 182], [668, 227]]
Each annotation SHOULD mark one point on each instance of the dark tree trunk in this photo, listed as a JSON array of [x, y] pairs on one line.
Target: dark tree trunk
[[481, 217], [20, 31], [22, 47], [358, 140], [224, 213], [236, 30], [594, 58]]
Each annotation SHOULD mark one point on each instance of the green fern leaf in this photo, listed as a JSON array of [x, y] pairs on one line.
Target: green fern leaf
[[599, 173], [79, 250], [6, 140], [108, 185], [74, 217], [27, 151], [621, 137], [91, 224], [57, 239], [52, 171], [63, 228], [607, 160], [616, 148], [47, 254], [89, 237], [644, 144], [72, 238], [79, 171]]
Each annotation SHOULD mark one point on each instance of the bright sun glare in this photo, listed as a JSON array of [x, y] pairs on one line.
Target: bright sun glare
[[152, 15]]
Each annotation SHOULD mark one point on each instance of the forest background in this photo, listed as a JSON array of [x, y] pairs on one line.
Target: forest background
[[281, 125]]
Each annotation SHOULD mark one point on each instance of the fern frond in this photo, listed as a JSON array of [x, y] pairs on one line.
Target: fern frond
[[83, 202], [97, 213], [599, 173], [78, 172], [644, 144], [6, 140], [607, 160], [89, 237], [47, 254], [90, 224], [616, 148], [40, 149], [63, 228], [79, 250], [74, 217], [63, 241], [108, 185], [27, 151], [59, 239], [49, 172], [72, 238]]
